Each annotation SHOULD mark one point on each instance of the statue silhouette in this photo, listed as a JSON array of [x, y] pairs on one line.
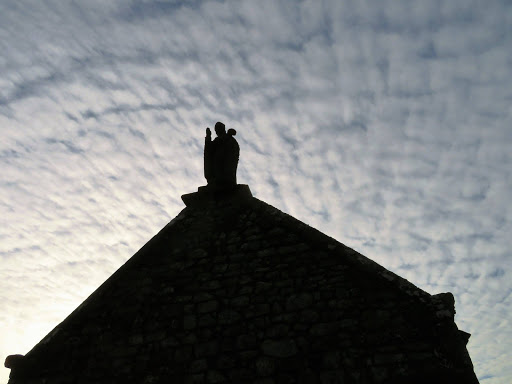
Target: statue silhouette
[[221, 157]]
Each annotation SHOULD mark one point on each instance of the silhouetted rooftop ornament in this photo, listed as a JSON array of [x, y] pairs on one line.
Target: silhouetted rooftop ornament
[[221, 158]]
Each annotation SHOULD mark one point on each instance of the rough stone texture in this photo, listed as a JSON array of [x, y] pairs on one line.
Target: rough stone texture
[[234, 290]]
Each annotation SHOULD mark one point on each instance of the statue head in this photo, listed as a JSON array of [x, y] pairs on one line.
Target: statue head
[[220, 128]]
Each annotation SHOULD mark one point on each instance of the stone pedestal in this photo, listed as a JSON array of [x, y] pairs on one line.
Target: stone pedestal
[[207, 195]]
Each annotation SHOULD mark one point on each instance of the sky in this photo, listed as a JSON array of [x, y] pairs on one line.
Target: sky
[[385, 124]]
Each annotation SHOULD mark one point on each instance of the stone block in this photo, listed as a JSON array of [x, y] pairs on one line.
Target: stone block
[[136, 339], [183, 354], [331, 360], [332, 377], [299, 301], [308, 316], [266, 380], [169, 341], [277, 331], [215, 377], [279, 348], [190, 338], [229, 316], [203, 297], [259, 310], [265, 366], [240, 374], [198, 378], [206, 349], [155, 336], [248, 356], [379, 374], [207, 306], [389, 358], [207, 320], [262, 286], [189, 322], [198, 365], [226, 362], [324, 329], [246, 342], [240, 301]]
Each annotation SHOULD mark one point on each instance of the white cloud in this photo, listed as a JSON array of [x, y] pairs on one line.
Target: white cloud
[[384, 125]]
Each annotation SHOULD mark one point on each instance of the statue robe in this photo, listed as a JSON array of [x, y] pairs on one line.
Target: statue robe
[[221, 161]]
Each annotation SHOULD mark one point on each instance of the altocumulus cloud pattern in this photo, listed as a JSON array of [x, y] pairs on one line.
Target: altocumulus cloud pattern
[[386, 125]]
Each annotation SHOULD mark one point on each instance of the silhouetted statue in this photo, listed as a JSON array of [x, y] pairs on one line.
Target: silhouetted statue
[[221, 157]]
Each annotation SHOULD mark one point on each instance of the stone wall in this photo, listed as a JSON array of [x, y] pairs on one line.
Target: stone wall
[[245, 293]]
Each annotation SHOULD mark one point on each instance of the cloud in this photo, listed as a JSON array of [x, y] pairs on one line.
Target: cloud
[[386, 126]]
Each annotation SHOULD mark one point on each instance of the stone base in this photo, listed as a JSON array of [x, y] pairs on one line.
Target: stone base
[[207, 195]]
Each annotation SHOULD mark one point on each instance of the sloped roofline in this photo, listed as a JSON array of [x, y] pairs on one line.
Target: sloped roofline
[[308, 234], [365, 264]]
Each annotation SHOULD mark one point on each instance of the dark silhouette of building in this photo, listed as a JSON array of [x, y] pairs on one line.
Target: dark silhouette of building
[[234, 290]]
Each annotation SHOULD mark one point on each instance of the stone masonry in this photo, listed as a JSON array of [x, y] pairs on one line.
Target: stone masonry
[[235, 291]]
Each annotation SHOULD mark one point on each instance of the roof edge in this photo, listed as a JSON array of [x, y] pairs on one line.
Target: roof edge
[[327, 242]]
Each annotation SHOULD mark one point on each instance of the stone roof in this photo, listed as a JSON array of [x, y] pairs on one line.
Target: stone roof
[[234, 290]]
